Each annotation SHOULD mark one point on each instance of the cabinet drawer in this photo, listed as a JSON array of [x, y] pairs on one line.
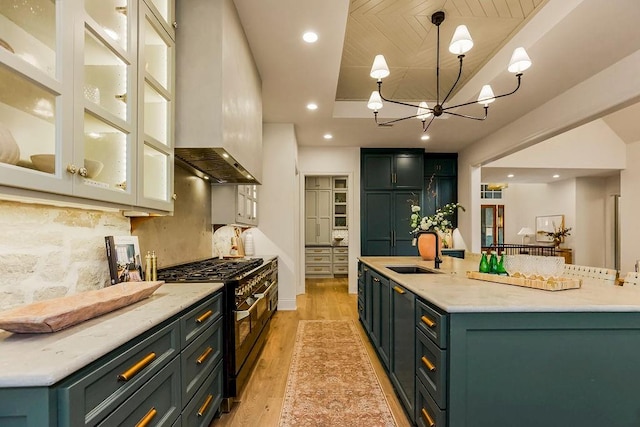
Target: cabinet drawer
[[341, 251], [431, 368], [200, 318], [340, 269], [427, 412], [157, 401], [318, 269], [432, 323], [341, 259], [199, 358], [206, 402], [318, 259], [317, 251], [101, 388]]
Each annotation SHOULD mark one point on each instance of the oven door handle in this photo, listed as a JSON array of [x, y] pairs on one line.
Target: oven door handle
[[266, 291], [241, 314]]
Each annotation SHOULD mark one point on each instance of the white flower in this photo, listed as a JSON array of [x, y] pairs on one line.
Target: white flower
[[415, 208]]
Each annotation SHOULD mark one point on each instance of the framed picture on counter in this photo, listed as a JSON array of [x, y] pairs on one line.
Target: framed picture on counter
[[125, 262]]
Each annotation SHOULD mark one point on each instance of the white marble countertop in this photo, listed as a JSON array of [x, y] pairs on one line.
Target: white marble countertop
[[455, 293], [28, 360]]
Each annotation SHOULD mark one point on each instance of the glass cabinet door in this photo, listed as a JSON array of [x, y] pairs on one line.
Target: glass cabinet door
[[105, 98], [35, 95], [156, 79]]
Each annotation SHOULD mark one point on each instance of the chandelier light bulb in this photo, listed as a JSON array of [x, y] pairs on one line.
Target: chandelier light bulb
[[375, 102], [379, 70], [486, 96], [519, 61], [461, 42], [423, 111]]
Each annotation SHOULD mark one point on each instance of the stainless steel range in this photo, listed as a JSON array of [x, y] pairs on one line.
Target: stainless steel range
[[250, 299]]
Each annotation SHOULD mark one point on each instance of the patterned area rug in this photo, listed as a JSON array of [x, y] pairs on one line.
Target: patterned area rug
[[331, 381]]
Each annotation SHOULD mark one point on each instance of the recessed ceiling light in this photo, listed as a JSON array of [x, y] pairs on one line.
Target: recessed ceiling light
[[556, 176], [328, 136], [425, 137], [310, 37], [510, 175], [312, 106]]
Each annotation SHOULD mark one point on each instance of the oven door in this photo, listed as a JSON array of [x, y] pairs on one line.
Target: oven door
[[248, 324]]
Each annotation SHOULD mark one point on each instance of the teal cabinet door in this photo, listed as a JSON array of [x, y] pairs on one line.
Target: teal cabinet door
[[408, 171], [440, 164], [403, 346], [384, 337], [403, 239], [377, 223], [377, 171]]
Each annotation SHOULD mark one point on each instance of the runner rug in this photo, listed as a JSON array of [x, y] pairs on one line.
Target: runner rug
[[331, 381]]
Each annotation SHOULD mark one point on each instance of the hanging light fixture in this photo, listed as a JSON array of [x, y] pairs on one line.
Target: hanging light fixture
[[460, 44]]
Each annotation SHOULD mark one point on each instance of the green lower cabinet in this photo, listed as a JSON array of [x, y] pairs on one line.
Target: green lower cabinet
[[551, 369], [403, 346], [204, 405], [380, 317], [28, 407]]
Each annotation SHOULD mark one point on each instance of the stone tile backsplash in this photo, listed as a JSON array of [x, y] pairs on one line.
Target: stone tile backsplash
[[48, 252]]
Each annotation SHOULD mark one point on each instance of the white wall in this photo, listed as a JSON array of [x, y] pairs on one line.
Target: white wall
[[630, 209], [278, 227], [335, 161]]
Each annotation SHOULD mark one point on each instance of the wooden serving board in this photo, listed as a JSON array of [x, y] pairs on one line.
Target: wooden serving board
[[554, 284], [59, 313]]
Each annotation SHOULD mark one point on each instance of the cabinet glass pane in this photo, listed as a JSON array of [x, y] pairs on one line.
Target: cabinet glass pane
[[340, 209], [28, 29], [111, 15], [105, 146], [340, 197], [105, 77], [156, 55], [156, 114], [27, 122], [156, 170], [340, 222], [340, 183], [163, 8]]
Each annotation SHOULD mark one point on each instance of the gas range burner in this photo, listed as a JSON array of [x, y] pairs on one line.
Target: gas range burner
[[208, 270]]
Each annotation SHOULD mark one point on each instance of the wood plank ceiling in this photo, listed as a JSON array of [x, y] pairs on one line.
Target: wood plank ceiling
[[402, 31]]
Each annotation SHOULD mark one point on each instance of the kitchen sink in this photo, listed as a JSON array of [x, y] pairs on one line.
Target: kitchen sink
[[410, 269]]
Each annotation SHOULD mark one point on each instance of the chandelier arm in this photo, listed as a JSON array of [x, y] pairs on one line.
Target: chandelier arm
[[390, 122], [495, 97], [486, 112], [457, 80], [425, 128], [402, 103]]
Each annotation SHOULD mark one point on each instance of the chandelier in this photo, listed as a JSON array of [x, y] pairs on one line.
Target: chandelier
[[460, 44]]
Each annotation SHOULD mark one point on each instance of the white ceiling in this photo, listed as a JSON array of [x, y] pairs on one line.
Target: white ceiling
[[567, 40]]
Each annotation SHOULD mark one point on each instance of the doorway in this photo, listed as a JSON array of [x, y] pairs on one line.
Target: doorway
[[491, 226]]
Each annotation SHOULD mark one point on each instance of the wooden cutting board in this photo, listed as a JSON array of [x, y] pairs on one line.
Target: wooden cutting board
[[59, 313]]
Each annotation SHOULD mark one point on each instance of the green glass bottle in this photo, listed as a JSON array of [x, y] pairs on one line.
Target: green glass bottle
[[501, 270], [484, 264], [493, 263]]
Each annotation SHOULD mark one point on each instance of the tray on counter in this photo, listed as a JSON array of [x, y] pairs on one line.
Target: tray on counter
[[59, 313], [553, 284]]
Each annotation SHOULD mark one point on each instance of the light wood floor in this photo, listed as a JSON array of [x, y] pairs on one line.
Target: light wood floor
[[261, 399]]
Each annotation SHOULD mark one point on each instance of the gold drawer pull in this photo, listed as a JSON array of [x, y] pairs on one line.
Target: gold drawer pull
[[317, 269], [428, 418], [147, 418], [204, 317], [132, 371], [317, 259], [430, 366], [375, 279], [430, 323], [399, 290], [204, 356], [205, 405]]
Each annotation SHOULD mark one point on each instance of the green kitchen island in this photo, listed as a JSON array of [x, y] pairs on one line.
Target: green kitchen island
[[468, 353]]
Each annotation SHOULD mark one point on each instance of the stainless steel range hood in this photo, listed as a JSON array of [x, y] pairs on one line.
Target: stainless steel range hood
[[215, 163]]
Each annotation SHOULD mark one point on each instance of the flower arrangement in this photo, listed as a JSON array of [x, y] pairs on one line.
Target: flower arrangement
[[558, 234], [437, 222]]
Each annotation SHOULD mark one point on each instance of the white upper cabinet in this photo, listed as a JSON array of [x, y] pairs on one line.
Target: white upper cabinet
[[73, 100]]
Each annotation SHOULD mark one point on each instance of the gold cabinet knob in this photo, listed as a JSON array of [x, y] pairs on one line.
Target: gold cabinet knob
[[72, 169], [83, 172]]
